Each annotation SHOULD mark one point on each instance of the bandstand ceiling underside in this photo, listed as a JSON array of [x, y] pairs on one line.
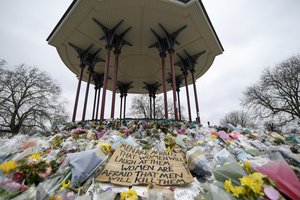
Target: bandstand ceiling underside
[[137, 63]]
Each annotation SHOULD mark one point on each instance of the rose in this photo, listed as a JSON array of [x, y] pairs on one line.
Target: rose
[[18, 176], [45, 173]]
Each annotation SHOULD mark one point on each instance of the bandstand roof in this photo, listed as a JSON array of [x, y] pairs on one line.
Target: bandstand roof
[[137, 63]]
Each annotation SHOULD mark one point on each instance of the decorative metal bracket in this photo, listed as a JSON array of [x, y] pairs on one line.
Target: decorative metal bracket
[[171, 38], [109, 34], [82, 54]]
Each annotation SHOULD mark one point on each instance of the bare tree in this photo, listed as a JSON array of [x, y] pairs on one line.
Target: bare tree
[[277, 92], [29, 100], [236, 118], [140, 107]]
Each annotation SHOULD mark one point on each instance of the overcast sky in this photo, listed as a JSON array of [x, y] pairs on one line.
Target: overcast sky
[[254, 33]]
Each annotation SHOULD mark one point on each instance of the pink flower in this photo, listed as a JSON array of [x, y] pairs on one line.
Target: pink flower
[[18, 176], [70, 195], [126, 131], [46, 173], [12, 186], [181, 131], [24, 187], [79, 131]]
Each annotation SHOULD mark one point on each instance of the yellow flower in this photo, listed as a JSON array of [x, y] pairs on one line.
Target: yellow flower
[[258, 177], [246, 180], [168, 149], [213, 136], [65, 185], [6, 167], [37, 155], [256, 188], [247, 166], [228, 185], [129, 195], [105, 147], [56, 197], [237, 191], [253, 182]]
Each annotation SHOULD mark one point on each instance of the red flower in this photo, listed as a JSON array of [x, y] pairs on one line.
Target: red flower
[[18, 176]]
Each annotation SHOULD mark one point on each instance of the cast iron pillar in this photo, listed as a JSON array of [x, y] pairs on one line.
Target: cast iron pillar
[[171, 40], [124, 112], [152, 89], [118, 43], [150, 104], [95, 101], [121, 105], [196, 98], [109, 35], [99, 83], [178, 81], [82, 55], [162, 47], [91, 62], [185, 73], [123, 88], [192, 61], [163, 65], [154, 113], [185, 67]]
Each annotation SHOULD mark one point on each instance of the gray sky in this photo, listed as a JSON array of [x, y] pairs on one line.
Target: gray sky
[[254, 33]]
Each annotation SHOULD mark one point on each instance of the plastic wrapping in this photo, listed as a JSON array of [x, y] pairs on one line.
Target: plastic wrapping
[[188, 192], [286, 179], [287, 153], [205, 153], [12, 145], [231, 171], [259, 145], [215, 192], [223, 157], [83, 164], [198, 163], [242, 155]]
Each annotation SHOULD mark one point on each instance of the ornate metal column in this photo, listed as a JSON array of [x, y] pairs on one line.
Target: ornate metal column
[[91, 62], [123, 88], [152, 89], [171, 40], [185, 73], [162, 47], [154, 113], [121, 105], [95, 101], [178, 80], [184, 67], [109, 35], [82, 55], [190, 62], [118, 43], [124, 114], [100, 84], [196, 96], [150, 105]]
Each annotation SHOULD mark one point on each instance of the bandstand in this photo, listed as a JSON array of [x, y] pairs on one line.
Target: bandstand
[[131, 46]]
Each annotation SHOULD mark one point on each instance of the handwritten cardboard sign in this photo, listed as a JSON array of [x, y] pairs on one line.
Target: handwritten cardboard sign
[[132, 166]]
